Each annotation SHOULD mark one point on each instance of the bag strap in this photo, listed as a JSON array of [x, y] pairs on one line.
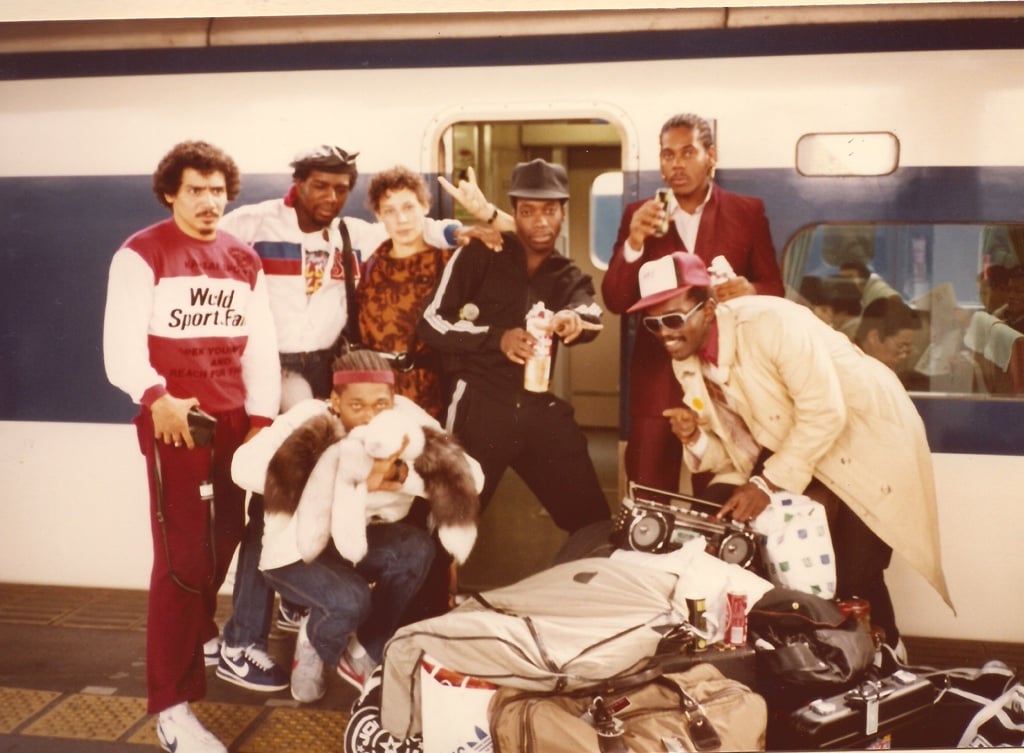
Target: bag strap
[[348, 266], [161, 517], [609, 729], [995, 708], [702, 732]]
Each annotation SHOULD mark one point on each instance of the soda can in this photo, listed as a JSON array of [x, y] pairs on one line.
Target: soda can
[[736, 619], [697, 608]]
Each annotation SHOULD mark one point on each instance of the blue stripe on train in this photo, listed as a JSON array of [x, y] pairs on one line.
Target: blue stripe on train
[[60, 232]]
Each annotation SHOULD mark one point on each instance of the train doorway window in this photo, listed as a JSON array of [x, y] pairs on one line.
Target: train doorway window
[[962, 284], [606, 203], [847, 154]]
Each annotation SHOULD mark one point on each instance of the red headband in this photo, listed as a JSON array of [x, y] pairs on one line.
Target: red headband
[[353, 377]]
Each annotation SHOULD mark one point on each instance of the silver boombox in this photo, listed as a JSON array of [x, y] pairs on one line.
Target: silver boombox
[[660, 521]]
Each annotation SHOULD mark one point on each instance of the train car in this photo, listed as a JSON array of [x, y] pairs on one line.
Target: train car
[[883, 134]]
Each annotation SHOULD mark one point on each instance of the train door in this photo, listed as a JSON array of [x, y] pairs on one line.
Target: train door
[[586, 376]]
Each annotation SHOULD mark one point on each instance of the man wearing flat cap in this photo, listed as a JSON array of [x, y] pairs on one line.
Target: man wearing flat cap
[[786, 403], [475, 320]]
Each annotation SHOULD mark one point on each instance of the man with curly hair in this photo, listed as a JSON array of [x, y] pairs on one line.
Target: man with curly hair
[[188, 325]]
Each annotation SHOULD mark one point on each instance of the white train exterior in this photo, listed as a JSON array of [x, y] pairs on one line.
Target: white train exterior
[[80, 132]]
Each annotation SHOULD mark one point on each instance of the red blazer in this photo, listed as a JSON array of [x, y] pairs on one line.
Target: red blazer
[[732, 226]]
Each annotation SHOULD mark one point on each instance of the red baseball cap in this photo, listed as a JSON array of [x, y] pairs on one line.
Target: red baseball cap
[[667, 277]]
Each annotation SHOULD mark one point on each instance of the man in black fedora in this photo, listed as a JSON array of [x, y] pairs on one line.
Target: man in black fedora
[[476, 321]]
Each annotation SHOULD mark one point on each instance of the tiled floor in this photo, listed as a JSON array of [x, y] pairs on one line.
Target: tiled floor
[[72, 680]]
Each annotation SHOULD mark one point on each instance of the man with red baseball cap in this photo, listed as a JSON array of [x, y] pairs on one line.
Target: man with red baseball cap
[[778, 400], [700, 218]]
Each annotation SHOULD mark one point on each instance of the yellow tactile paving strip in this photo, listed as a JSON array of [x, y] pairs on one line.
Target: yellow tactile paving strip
[[119, 719], [122, 719], [17, 706], [297, 731], [103, 608], [31, 605], [89, 717], [225, 720]]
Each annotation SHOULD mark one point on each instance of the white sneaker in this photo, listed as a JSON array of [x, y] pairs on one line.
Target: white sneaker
[[211, 651], [179, 731], [307, 669], [900, 652], [355, 669]]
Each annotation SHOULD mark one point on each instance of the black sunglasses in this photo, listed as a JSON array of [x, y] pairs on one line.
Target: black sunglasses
[[669, 321]]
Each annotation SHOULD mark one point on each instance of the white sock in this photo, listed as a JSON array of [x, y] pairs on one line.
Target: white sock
[[355, 648]]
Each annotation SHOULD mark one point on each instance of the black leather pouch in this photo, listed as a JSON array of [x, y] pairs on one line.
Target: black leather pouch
[[201, 425]]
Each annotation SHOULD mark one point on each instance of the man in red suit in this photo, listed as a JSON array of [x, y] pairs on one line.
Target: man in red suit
[[705, 220]]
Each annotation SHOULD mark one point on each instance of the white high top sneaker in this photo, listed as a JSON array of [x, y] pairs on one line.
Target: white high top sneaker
[[179, 731]]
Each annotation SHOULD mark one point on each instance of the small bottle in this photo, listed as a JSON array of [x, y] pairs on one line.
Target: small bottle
[[537, 372], [697, 617], [666, 198]]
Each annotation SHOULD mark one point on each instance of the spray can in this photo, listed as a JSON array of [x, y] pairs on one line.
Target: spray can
[[537, 372]]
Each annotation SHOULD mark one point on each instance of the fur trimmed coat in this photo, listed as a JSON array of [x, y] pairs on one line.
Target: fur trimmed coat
[[313, 478]]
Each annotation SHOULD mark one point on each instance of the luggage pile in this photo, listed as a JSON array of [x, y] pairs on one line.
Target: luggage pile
[[606, 655]]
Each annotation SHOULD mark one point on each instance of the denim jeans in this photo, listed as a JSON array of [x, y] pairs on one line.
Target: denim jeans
[[252, 600], [339, 596]]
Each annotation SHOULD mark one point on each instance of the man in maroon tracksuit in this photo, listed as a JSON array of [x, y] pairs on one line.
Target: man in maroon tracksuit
[[188, 324]]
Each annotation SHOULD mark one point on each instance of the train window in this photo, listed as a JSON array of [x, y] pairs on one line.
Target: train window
[[605, 213], [839, 154], [958, 288]]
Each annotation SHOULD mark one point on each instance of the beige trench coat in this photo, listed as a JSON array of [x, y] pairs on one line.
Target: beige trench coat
[[826, 410]]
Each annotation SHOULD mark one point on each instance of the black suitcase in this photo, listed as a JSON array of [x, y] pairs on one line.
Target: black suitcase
[[865, 716]]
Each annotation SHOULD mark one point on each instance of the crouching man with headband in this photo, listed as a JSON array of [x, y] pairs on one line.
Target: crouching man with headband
[[348, 623]]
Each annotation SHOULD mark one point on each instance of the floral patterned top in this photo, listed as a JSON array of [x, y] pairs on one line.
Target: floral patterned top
[[392, 295]]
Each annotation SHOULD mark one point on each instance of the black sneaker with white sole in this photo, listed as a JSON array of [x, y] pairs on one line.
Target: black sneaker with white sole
[[289, 616], [251, 668]]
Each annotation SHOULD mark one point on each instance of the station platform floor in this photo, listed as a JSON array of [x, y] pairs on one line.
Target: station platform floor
[[72, 659], [72, 680]]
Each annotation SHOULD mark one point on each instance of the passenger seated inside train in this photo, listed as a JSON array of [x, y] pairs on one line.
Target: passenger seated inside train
[[993, 287], [834, 299], [1012, 312], [870, 284], [886, 332]]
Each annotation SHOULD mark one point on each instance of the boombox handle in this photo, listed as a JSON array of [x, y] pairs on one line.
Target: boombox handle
[[671, 497]]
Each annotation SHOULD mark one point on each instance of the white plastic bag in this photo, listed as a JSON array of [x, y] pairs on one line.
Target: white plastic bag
[[797, 546]]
